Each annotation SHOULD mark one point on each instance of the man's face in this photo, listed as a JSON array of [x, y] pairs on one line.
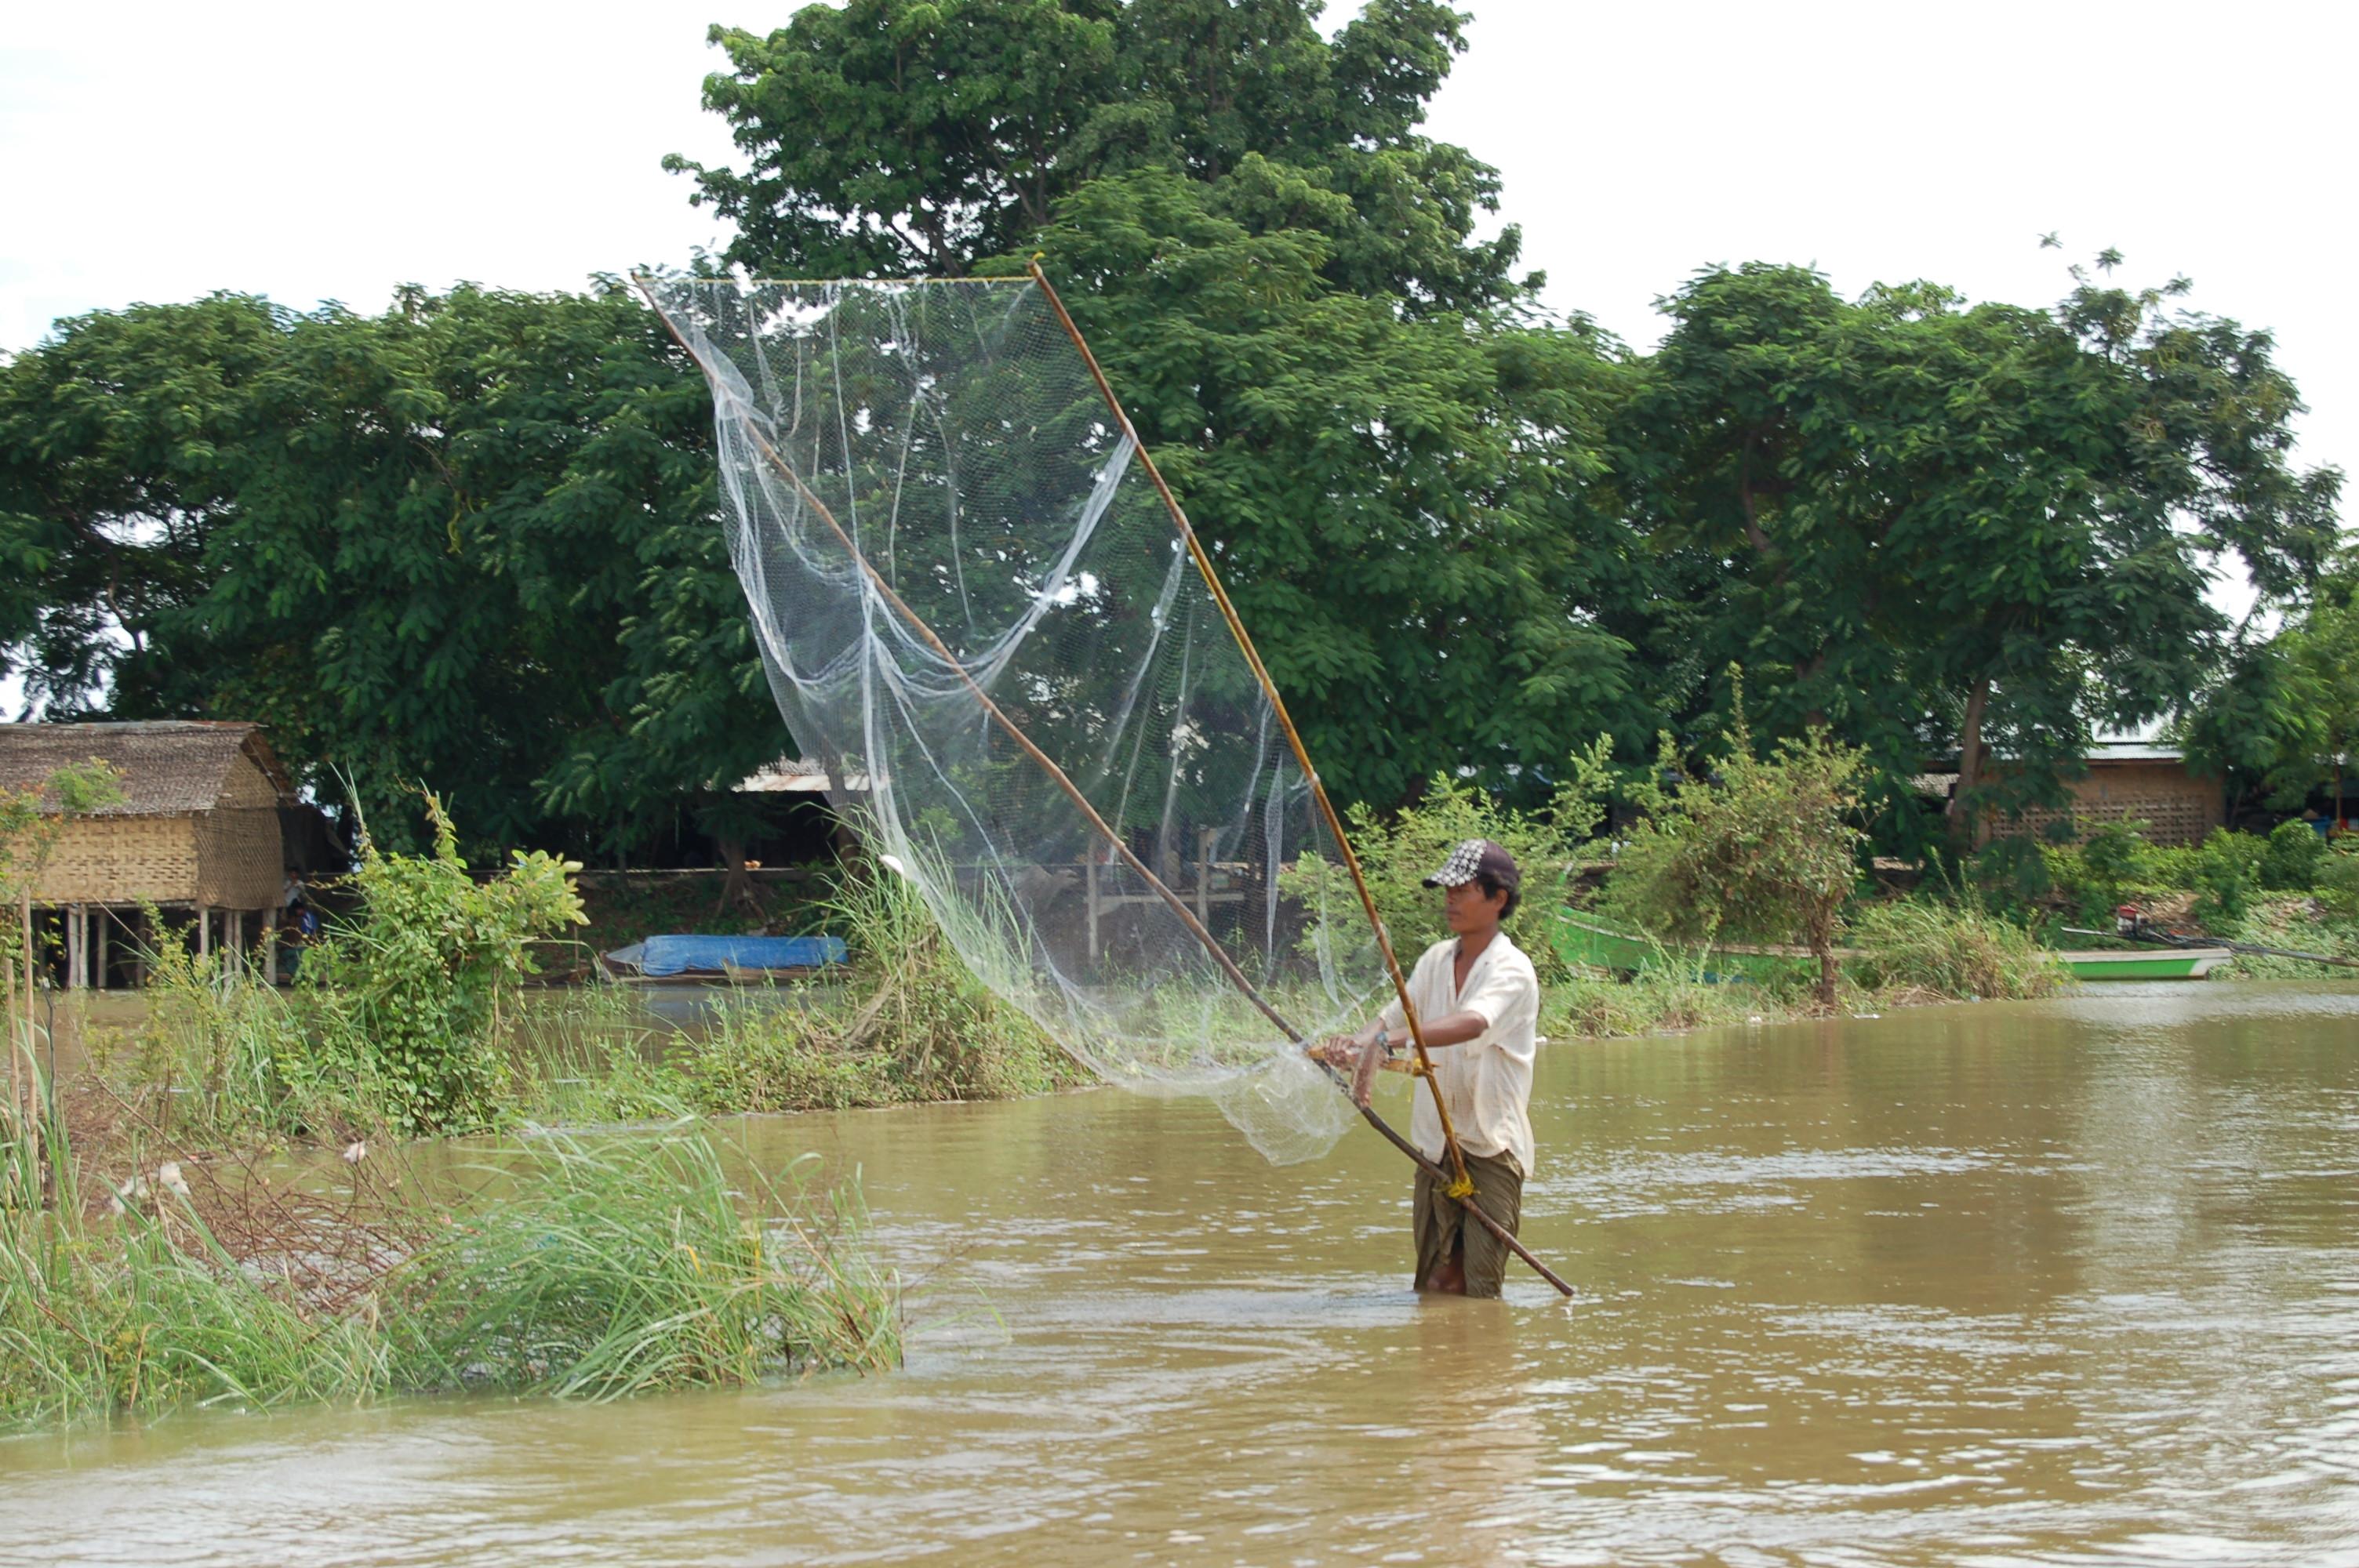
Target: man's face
[[1467, 909]]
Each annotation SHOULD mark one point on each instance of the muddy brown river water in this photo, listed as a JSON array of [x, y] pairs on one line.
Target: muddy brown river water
[[2068, 1283]]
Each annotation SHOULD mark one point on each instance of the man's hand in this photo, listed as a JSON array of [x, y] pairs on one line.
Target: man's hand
[[1361, 1056], [1339, 1050]]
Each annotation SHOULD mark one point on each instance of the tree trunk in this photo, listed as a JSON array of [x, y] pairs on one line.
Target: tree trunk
[[1970, 762], [738, 885], [1820, 934]]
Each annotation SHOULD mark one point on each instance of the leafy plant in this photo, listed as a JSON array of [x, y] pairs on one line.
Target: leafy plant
[[2225, 873], [422, 979], [1398, 849], [1765, 848], [2295, 855]]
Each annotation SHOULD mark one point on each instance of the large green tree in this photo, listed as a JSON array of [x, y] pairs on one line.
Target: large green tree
[[469, 542], [2283, 718], [1396, 461], [1941, 529]]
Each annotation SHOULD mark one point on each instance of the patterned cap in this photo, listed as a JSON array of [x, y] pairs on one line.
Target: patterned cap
[[1475, 857]]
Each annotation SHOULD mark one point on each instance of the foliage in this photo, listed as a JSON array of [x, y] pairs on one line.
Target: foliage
[[2285, 717], [914, 1025], [1670, 999], [1763, 848], [575, 1269], [1949, 948], [2295, 854], [1397, 851], [469, 538], [1979, 530], [1395, 464], [2225, 873], [421, 980], [2338, 885]]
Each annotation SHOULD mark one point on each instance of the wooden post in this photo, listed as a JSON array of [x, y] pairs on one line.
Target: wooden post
[[105, 922], [32, 1090], [1203, 873], [1090, 877], [74, 933], [233, 939], [204, 931], [270, 946]]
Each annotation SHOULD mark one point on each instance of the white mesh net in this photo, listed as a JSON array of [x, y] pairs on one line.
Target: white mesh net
[[951, 549]]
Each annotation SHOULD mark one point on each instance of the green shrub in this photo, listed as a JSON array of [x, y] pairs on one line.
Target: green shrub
[[1950, 949], [2226, 875], [423, 977], [574, 1268], [1396, 852], [2338, 884], [2295, 854], [1765, 850]]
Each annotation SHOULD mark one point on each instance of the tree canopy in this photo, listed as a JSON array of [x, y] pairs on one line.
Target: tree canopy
[[471, 541], [1943, 529], [468, 542]]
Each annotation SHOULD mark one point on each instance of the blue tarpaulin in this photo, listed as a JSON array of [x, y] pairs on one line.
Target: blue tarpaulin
[[682, 955]]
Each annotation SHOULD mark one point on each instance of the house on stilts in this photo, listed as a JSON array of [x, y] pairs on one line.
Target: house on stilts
[[206, 833]]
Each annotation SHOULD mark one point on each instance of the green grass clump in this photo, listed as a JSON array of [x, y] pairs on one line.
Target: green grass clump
[[575, 1269], [1670, 999], [913, 1023], [1951, 950]]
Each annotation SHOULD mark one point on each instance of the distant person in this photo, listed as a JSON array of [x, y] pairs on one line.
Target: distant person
[[1478, 998]]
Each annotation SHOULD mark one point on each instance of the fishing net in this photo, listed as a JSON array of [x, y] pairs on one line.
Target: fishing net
[[979, 616]]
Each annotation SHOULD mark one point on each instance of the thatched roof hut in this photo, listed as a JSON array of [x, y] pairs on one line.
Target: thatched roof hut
[[198, 825]]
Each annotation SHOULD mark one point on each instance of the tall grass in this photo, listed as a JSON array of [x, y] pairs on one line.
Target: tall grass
[[913, 1023], [573, 1268], [1949, 950]]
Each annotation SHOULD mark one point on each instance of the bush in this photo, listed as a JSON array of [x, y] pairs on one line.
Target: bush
[[1765, 850], [1395, 853], [2225, 873], [2338, 884], [580, 1269], [422, 979], [1951, 950], [2295, 854]]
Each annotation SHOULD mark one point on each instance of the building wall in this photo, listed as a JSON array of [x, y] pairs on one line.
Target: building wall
[[239, 862], [121, 860], [2177, 808]]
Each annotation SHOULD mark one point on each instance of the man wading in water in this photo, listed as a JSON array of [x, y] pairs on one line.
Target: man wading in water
[[1479, 999]]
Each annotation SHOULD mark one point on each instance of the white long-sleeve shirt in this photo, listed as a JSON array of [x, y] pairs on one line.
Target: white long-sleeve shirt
[[1487, 1081]]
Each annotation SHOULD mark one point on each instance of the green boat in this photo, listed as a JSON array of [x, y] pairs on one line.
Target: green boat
[[1582, 942]]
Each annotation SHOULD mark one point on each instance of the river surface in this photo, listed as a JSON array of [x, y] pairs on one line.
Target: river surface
[[2064, 1282]]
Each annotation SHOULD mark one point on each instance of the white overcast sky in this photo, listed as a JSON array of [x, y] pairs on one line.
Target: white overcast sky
[[157, 152]]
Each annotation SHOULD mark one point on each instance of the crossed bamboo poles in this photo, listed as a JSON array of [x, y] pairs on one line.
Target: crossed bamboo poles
[[1456, 1184]]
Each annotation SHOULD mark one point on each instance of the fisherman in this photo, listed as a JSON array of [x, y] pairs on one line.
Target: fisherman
[[1478, 1000]]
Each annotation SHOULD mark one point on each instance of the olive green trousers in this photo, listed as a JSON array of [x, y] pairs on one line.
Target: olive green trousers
[[1442, 1227]]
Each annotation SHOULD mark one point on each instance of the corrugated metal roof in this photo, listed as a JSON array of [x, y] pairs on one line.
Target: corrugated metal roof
[[169, 767]]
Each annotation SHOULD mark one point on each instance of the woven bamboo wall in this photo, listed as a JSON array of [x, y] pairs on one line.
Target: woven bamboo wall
[[121, 860], [2177, 807], [244, 785], [239, 863]]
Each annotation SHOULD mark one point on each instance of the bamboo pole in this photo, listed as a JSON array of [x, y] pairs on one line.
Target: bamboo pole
[[1461, 1190]]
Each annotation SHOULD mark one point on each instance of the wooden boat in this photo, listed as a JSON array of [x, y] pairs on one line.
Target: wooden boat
[[689, 958], [1597, 946]]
